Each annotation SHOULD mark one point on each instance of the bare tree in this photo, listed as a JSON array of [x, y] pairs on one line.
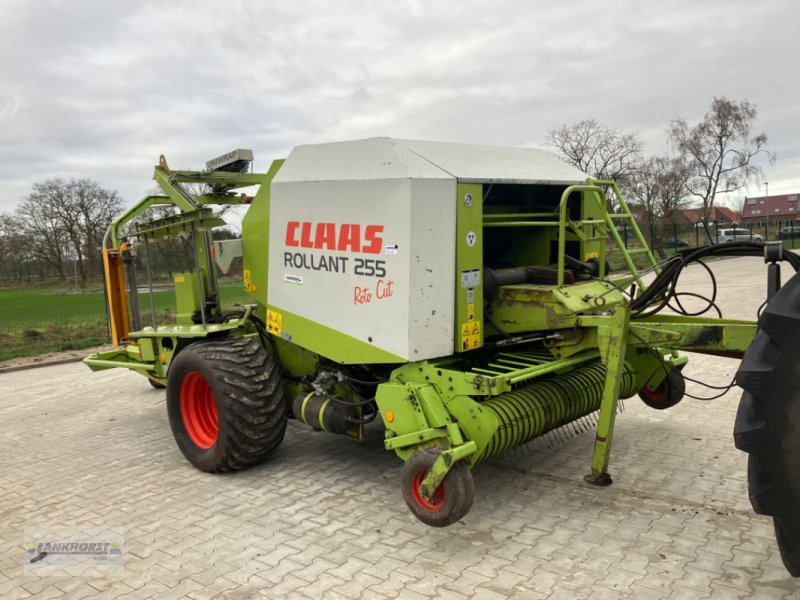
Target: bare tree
[[658, 189], [719, 150], [598, 150], [43, 233], [14, 250], [67, 219]]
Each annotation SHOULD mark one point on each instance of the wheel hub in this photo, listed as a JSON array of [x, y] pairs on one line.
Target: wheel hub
[[437, 500]]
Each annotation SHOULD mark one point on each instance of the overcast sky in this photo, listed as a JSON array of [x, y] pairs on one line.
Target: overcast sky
[[99, 89]]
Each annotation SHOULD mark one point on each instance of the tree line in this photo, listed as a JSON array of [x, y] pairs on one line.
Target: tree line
[[57, 231], [712, 157]]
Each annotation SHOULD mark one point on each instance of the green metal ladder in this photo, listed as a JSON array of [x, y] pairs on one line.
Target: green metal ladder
[[626, 217]]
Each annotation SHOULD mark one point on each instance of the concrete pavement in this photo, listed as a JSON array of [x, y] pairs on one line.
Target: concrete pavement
[[324, 517]]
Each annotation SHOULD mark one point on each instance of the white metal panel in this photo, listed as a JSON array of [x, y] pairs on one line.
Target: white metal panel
[[386, 158], [476, 163], [417, 252], [432, 268], [374, 158], [326, 297]]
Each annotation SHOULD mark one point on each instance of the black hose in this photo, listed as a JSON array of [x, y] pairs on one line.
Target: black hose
[[663, 288]]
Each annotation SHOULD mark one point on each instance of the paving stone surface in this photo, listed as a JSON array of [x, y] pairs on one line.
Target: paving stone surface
[[324, 517]]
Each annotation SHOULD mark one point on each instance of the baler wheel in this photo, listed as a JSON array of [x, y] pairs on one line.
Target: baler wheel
[[225, 403], [768, 421], [156, 384], [452, 499], [667, 394]]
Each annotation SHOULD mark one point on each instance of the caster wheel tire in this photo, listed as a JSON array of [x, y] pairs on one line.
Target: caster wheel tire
[[225, 403], [451, 500], [156, 384], [668, 393]]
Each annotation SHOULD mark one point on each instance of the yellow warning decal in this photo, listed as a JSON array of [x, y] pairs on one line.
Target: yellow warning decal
[[470, 312], [180, 278], [471, 335], [274, 322], [246, 277], [591, 255]]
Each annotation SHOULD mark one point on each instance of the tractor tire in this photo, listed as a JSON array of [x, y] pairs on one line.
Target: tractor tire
[[225, 403], [667, 394], [452, 499], [768, 420]]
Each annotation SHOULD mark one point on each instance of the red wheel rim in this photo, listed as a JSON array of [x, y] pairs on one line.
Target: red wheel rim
[[199, 411], [657, 394], [437, 500]]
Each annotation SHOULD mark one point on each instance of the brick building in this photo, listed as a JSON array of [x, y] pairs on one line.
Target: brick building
[[721, 215], [771, 211]]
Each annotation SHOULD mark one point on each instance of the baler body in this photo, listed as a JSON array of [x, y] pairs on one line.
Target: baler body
[[376, 248], [459, 294]]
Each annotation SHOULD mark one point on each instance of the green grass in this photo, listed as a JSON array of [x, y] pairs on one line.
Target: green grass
[[38, 320]]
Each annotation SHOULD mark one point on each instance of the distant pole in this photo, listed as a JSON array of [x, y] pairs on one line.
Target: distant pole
[[766, 192]]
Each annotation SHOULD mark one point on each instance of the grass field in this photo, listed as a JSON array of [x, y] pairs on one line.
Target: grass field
[[38, 320]]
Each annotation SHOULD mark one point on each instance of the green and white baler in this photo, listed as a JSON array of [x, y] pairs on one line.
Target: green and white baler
[[458, 293]]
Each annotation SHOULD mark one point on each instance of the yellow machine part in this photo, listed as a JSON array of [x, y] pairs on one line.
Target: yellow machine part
[[115, 292]]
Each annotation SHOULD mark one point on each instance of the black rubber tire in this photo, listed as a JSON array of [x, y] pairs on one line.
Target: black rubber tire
[[245, 381], [155, 384], [456, 492], [667, 394], [768, 420]]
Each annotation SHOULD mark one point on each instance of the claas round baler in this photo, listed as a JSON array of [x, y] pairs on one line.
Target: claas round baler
[[459, 294]]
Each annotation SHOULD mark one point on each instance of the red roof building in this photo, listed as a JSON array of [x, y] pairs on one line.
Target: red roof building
[[771, 210], [718, 214]]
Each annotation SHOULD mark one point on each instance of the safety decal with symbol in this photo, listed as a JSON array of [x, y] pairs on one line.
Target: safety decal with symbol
[[471, 335], [274, 322]]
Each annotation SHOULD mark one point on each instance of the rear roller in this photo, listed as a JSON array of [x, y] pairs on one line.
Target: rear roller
[[768, 420]]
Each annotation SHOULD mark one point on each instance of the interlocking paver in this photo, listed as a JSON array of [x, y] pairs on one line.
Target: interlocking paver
[[324, 517]]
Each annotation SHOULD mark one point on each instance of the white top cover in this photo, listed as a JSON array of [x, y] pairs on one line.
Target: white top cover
[[388, 158]]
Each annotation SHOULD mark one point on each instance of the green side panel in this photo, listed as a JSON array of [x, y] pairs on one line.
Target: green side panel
[[327, 342], [469, 267], [478, 424], [402, 413], [187, 297], [255, 239], [595, 246], [296, 360]]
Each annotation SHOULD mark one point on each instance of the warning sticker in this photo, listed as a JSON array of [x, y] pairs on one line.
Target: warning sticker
[[246, 279], [470, 312], [471, 335], [274, 322], [591, 255]]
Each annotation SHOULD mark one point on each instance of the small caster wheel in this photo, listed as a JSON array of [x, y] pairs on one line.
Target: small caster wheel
[[667, 394], [156, 384], [451, 500]]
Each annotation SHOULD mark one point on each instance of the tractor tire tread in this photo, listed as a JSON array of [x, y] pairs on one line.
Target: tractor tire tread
[[247, 383], [767, 423]]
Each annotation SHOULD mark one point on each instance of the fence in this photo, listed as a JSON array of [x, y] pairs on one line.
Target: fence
[[697, 235], [42, 313], [48, 312]]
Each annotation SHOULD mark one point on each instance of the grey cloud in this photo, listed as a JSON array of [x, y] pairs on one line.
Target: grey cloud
[[100, 89]]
